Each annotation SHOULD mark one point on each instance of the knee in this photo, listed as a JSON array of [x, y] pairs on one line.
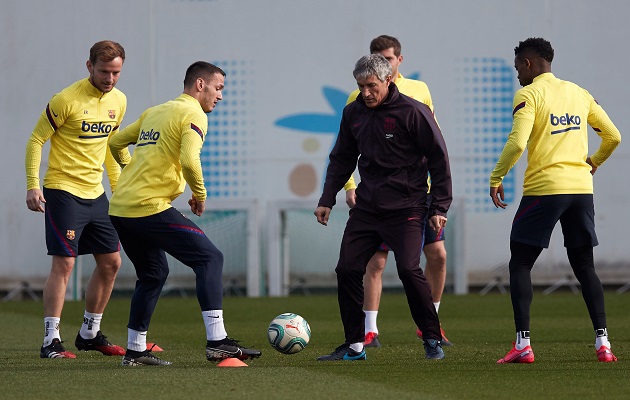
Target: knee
[[217, 256], [62, 266], [435, 254], [376, 265], [109, 264], [153, 278]]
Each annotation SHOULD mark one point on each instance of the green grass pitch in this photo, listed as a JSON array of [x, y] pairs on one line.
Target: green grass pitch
[[480, 326]]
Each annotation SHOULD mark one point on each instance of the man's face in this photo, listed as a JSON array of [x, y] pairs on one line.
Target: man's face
[[104, 75], [373, 91], [523, 70], [212, 92], [393, 60]]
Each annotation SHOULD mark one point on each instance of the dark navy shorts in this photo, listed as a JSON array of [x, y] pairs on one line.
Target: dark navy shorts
[[537, 216], [76, 226]]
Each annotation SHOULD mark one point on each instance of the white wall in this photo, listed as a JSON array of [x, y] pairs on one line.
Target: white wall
[[279, 56]]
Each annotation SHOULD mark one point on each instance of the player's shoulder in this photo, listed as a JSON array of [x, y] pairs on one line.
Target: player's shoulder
[[413, 84], [417, 83], [72, 91], [119, 94], [353, 96], [69, 96]]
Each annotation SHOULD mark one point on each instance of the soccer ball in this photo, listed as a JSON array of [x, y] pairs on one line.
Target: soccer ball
[[289, 333]]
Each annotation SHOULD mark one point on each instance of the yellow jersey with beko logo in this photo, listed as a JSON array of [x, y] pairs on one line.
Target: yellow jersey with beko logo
[[550, 119], [168, 139], [78, 121]]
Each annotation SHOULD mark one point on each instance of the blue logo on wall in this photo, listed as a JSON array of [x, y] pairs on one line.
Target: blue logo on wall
[[323, 124], [481, 125]]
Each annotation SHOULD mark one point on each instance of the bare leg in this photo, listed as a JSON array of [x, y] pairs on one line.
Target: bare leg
[[55, 286], [435, 269], [101, 283], [373, 281]]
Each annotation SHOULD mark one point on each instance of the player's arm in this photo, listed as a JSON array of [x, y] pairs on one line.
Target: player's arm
[[522, 124], [112, 166], [190, 158], [49, 121], [119, 142], [607, 131], [34, 195]]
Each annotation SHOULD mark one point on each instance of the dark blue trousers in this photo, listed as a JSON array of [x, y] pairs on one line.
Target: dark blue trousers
[[146, 241]]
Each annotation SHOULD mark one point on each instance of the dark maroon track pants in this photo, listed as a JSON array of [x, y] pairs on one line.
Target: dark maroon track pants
[[402, 231]]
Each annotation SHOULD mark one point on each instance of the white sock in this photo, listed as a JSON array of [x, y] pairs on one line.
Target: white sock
[[437, 306], [213, 320], [601, 338], [370, 321], [91, 325], [136, 340], [51, 330], [358, 347], [522, 340]]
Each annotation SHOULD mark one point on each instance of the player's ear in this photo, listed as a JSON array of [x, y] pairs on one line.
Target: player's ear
[[400, 58], [89, 66]]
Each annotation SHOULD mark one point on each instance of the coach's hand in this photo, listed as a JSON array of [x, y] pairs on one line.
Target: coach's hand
[[35, 200], [497, 195], [322, 214], [437, 223], [351, 198]]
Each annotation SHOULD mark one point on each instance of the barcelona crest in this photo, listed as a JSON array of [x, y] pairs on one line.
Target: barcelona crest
[[112, 114], [70, 234], [390, 124]]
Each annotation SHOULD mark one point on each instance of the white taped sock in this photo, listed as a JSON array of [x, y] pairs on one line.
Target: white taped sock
[[91, 325], [51, 329], [522, 340], [358, 347], [601, 338], [370, 321]]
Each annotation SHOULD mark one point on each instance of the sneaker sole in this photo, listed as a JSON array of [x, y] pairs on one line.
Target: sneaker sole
[[65, 354], [134, 363], [248, 356], [526, 357], [112, 350], [219, 355]]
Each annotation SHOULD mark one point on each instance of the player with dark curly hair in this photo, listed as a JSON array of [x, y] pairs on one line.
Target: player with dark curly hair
[[550, 120]]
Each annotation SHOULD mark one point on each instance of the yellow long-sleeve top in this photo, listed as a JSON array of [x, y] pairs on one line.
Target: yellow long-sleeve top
[[417, 90], [550, 119], [79, 121], [168, 140]]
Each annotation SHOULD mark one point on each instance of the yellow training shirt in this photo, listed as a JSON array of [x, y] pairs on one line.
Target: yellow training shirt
[[550, 119], [168, 140], [417, 90], [79, 122]]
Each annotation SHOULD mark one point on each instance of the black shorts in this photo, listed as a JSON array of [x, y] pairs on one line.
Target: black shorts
[[77, 226], [537, 216]]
